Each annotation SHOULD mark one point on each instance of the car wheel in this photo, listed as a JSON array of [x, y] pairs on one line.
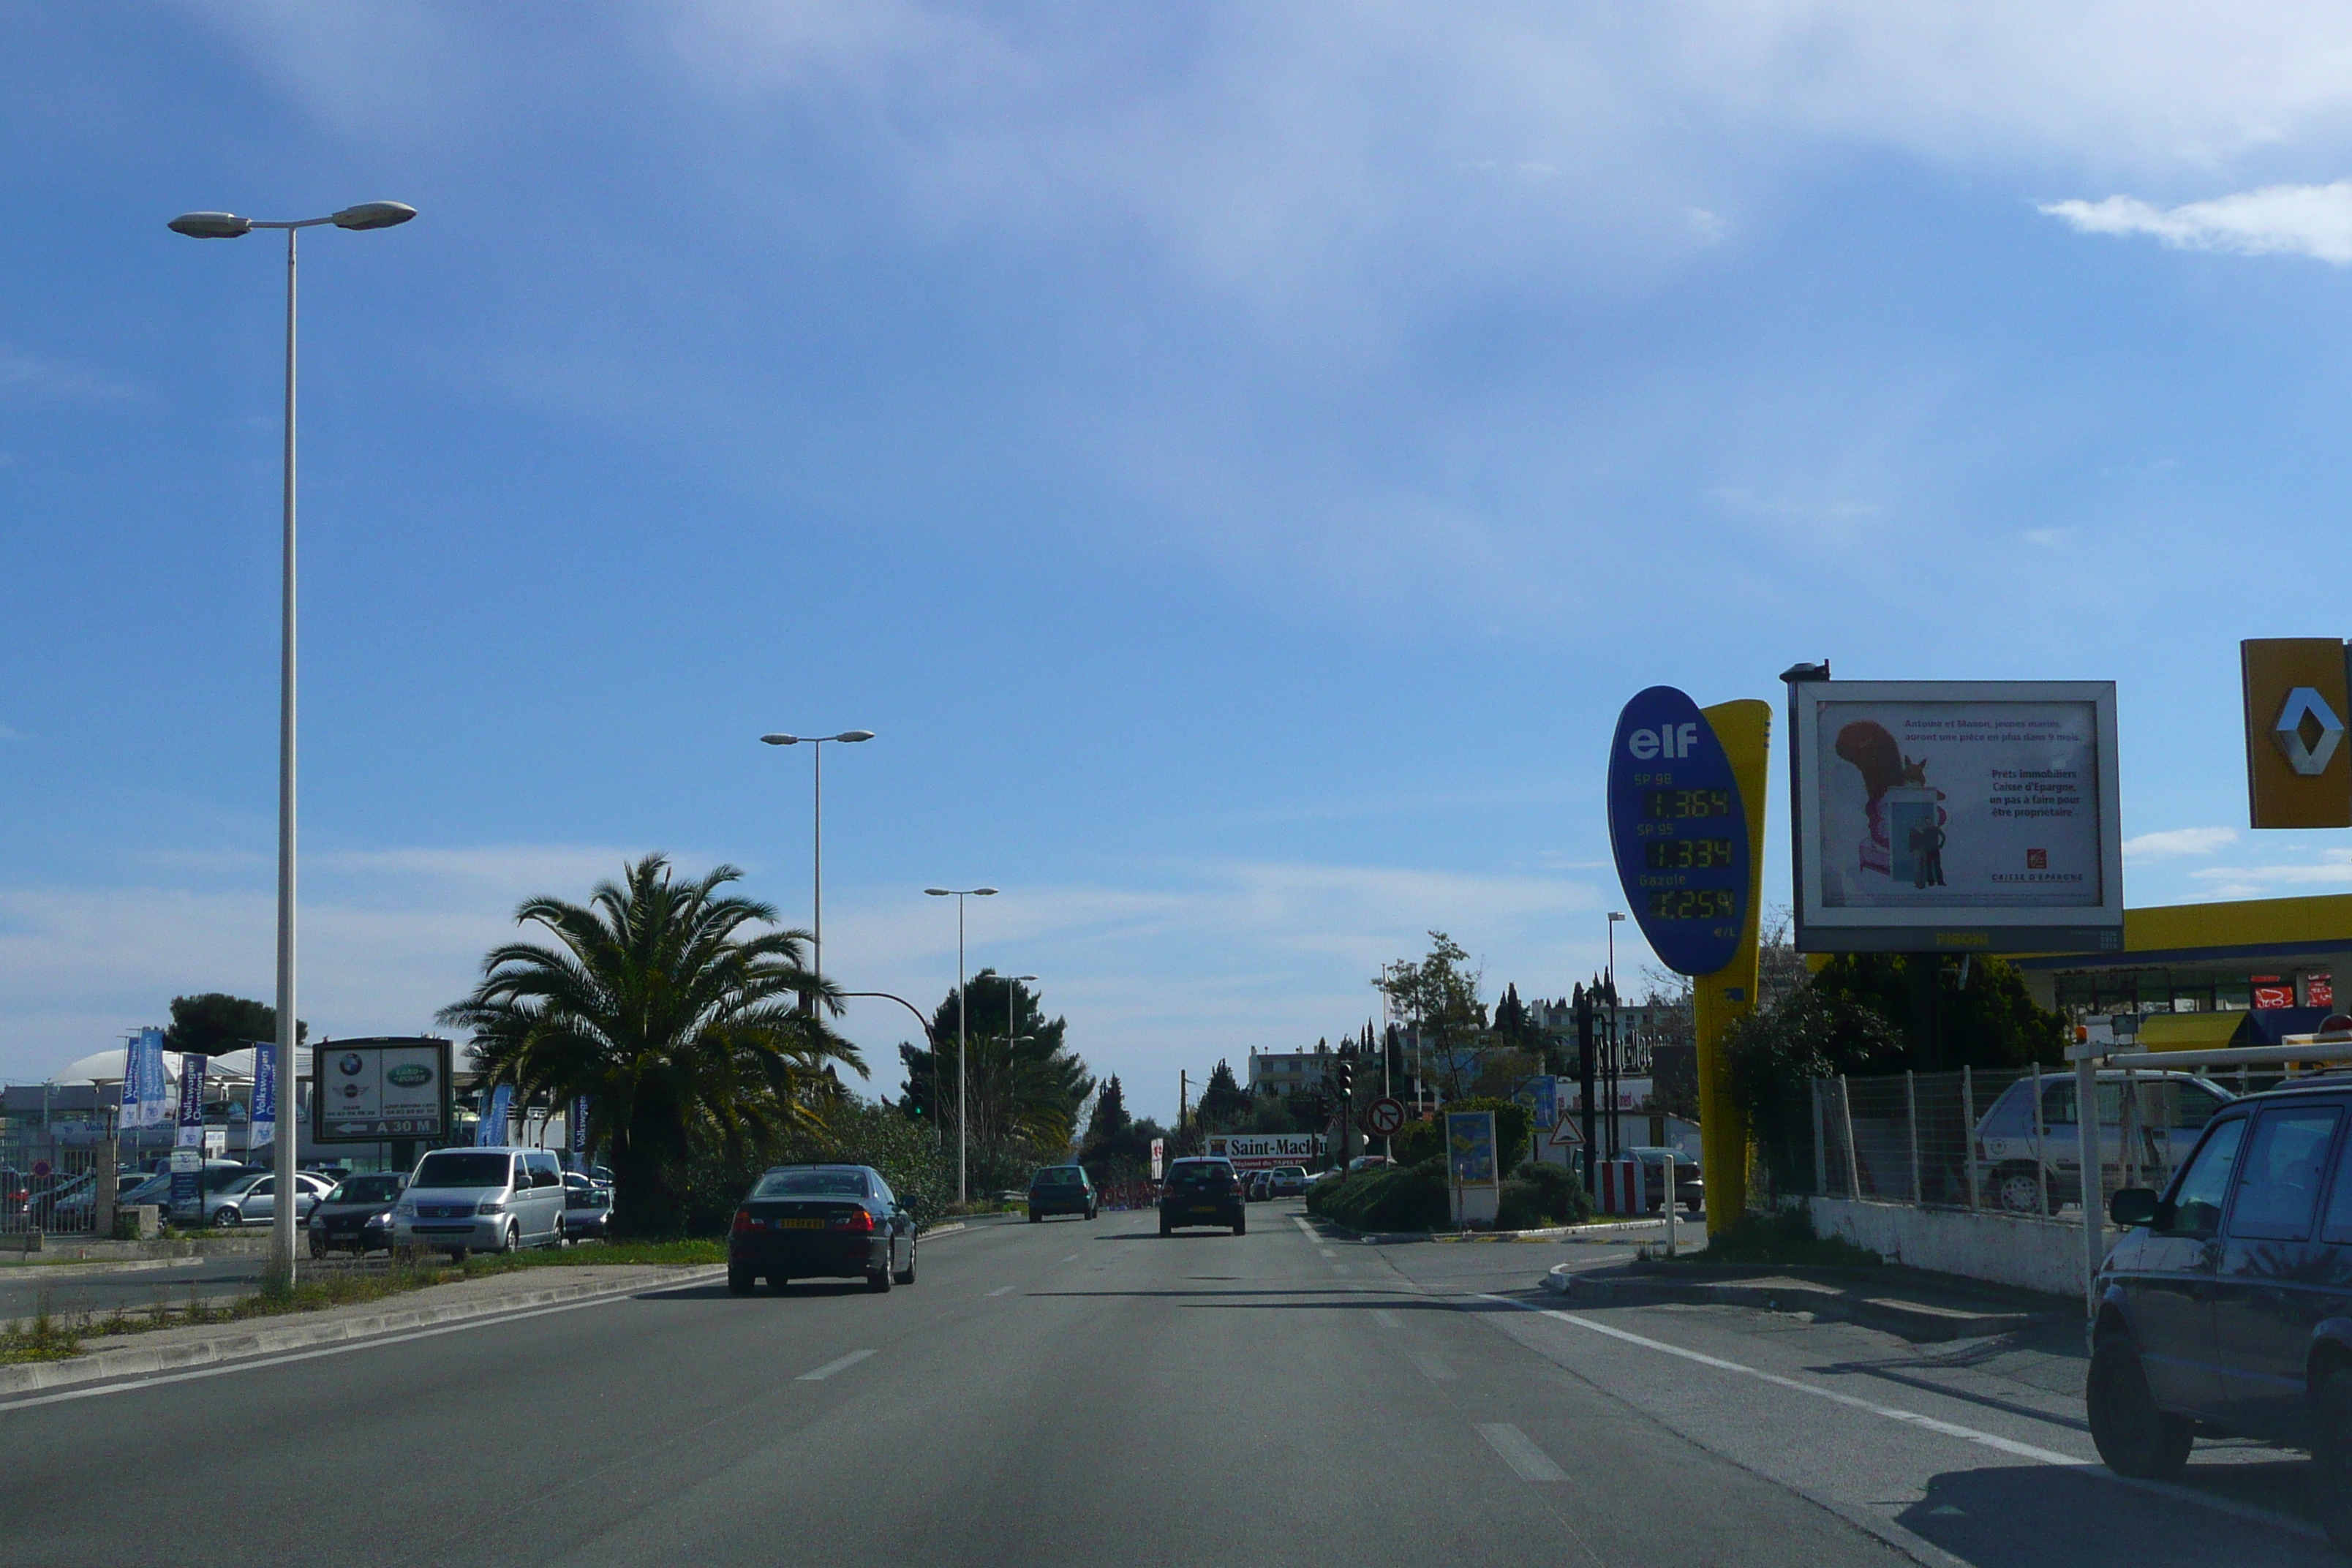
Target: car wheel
[[1166, 1229], [1240, 1225], [2016, 1189], [1035, 1216], [779, 1283], [2331, 1460], [740, 1281], [2135, 1438], [225, 1218], [318, 1248], [908, 1277], [512, 1240], [878, 1284]]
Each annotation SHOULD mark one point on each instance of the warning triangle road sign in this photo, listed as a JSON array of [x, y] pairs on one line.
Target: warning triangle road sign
[[1564, 1134]]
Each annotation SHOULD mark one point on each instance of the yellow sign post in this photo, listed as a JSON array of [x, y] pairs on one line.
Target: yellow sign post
[[1721, 999]]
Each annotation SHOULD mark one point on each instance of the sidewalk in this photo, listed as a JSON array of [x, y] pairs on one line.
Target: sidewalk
[[203, 1344], [1905, 1302]]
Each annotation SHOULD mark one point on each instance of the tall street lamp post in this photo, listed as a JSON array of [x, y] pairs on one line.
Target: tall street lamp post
[[816, 929], [228, 226], [963, 1138]]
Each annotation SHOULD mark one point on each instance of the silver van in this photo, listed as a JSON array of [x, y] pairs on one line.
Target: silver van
[[481, 1200]]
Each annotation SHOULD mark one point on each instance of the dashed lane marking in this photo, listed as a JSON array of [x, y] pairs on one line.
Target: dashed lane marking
[[829, 1368], [1005, 1289], [1519, 1452], [1387, 1319]]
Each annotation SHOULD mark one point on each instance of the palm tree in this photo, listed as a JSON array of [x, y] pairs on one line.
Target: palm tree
[[683, 1029]]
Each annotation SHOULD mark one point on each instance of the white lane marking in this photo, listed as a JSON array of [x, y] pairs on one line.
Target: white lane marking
[[1519, 1452], [1003, 1290], [1341, 1269], [1304, 1229], [1327, 1252], [1071, 1259], [1433, 1369], [346, 1347], [1944, 1428], [829, 1368], [1387, 1319]]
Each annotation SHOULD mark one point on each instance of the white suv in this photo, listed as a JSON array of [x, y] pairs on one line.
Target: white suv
[[481, 1200]]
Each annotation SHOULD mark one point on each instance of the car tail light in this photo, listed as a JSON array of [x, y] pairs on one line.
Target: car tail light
[[859, 1220], [744, 1222]]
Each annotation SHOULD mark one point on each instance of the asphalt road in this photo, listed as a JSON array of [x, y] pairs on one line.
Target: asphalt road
[[1079, 1393]]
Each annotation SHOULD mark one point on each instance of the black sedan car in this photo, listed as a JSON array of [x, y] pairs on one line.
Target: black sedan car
[[1061, 1189], [357, 1215], [1202, 1192], [805, 1222], [587, 1209]]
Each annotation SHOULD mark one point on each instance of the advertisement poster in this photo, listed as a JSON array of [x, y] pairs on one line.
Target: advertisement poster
[[262, 1129], [1158, 1158], [146, 1092], [187, 1189], [1474, 1173], [1969, 814], [1267, 1150], [372, 1089], [191, 1103]]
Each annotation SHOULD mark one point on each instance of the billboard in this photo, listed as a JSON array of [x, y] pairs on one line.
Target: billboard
[[1955, 815], [370, 1090], [1265, 1150]]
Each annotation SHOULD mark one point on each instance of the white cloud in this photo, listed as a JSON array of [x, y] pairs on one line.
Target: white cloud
[[2333, 868], [2045, 537], [32, 375], [2179, 841], [2276, 220]]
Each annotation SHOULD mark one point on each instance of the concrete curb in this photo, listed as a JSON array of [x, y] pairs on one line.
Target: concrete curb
[[1918, 1320], [138, 1361], [1555, 1233]]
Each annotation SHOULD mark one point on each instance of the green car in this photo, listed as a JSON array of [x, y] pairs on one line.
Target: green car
[[1061, 1189]]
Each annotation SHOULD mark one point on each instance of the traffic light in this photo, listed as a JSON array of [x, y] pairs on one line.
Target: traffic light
[[1343, 1075]]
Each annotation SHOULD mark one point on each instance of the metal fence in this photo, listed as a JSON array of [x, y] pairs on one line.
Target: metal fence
[[49, 1185], [1997, 1141]]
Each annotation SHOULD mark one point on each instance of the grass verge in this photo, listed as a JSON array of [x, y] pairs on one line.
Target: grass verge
[[58, 1337]]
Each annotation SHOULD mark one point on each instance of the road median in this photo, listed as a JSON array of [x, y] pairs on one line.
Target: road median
[[1917, 1310]]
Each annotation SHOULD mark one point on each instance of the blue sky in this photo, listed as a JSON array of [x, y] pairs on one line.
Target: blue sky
[[1238, 459]]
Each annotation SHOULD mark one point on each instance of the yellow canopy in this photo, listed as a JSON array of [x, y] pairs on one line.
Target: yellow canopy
[[2189, 1031]]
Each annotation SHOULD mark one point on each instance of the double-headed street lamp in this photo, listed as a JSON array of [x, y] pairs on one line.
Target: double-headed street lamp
[[963, 1140], [228, 226], [816, 931]]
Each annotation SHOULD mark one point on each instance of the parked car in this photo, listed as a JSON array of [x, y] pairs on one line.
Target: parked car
[[484, 1200], [2173, 1109], [1254, 1185], [356, 1216], [1368, 1163], [1690, 1190], [256, 1202], [215, 1176], [587, 1209], [2226, 1309], [1061, 1189], [1286, 1182], [803, 1222], [1202, 1190]]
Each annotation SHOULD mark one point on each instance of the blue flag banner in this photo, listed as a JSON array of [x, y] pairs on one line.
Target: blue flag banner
[[579, 1131], [146, 1093], [492, 1129], [262, 1128], [191, 1103]]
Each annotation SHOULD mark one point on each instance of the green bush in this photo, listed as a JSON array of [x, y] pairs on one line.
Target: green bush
[[1786, 1236], [1399, 1197], [1538, 1196]]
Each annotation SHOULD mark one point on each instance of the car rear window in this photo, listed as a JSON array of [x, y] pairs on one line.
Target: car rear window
[[1059, 1176], [811, 1184], [1205, 1174], [456, 1170]]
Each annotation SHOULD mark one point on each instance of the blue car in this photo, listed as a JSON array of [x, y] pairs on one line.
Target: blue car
[[2226, 1309]]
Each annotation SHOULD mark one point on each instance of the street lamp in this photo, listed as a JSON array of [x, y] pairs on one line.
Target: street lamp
[[816, 931], [228, 226], [963, 1140]]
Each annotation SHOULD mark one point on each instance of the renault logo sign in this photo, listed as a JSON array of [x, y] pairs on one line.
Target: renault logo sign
[[2298, 769], [2307, 731]]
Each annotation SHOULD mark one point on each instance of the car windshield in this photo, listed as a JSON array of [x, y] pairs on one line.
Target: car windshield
[[456, 1170], [811, 1184], [366, 1190]]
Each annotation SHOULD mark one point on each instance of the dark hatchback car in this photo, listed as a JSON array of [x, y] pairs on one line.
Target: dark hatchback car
[[587, 1209], [1202, 1192], [808, 1222], [2226, 1309], [1061, 1189], [357, 1215]]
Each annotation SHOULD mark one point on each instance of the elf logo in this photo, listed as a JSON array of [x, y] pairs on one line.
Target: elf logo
[[1671, 741]]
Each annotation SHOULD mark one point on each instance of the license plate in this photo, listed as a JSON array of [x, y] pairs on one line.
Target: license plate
[[800, 1225], [1204, 1208]]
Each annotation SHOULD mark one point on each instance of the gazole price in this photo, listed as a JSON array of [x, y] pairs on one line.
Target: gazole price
[[1693, 904]]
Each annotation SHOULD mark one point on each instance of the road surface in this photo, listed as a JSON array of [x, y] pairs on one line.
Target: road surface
[[1091, 1394]]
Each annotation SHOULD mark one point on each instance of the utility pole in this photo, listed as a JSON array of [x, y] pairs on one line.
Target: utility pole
[[1183, 1097], [1584, 1066]]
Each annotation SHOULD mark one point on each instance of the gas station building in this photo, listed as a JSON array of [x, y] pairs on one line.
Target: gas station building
[[2241, 972]]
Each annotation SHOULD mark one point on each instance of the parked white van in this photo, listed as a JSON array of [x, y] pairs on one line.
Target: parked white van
[[481, 1200]]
